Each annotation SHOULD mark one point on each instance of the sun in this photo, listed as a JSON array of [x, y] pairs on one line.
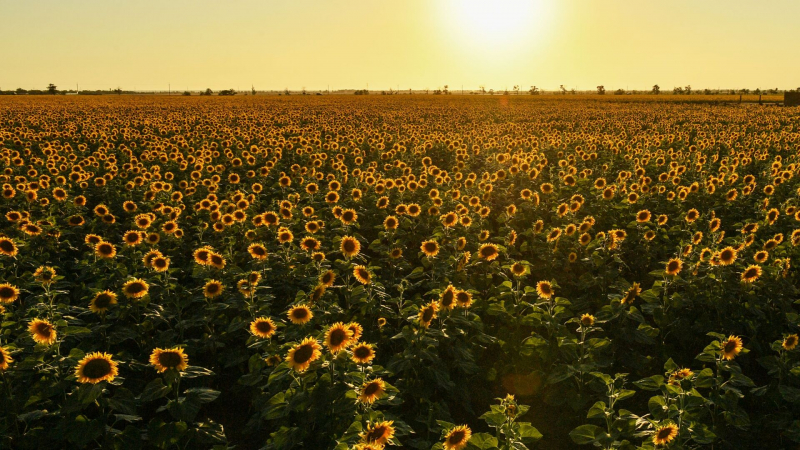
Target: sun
[[496, 24]]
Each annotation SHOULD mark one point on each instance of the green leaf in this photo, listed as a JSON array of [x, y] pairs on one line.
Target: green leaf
[[585, 434], [528, 433], [483, 441]]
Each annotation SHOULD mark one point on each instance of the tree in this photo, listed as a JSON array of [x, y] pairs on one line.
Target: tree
[[491, 91], [118, 90], [688, 89], [252, 90], [208, 91], [677, 91], [445, 91], [601, 90], [534, 90], [483, 89], [516, 89], [52, 89], [186, 93], [757, 91], [227, 92], [563, 90], [656, 89]]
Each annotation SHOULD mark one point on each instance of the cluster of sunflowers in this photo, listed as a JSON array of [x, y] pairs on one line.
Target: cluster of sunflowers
[[372, 273]]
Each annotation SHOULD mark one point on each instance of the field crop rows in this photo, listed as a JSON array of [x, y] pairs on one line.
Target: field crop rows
[[405, 271]]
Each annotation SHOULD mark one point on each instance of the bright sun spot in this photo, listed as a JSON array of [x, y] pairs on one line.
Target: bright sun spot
[[497, 24]]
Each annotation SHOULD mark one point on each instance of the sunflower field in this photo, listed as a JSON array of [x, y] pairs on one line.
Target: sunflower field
[[398, 272]]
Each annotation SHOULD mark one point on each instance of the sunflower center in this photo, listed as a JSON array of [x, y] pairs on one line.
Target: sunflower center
[[102, 301], [362, 352], [337, 337], [664, 433], [264, 327], [6, 292], [170, 359], [96, 368], [371, 388], [135, 288], [456, 437], [729, 346], [7, 246], [376, 433], [303, 353]]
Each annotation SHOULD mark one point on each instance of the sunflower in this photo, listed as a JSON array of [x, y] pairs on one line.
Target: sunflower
[[300, 314], [105, 250], [303, 354], [132, 238], [751, 273], [285, 236], [328, 278], [371, 391], [518, 269], [665, 434], [349, 216], [96, 367], [309, 244], [463, 298], [448, 298], [643, 216], [362, 353], [587, 320], [731, 347], [761, 256], [790, 342], [42, 331], [430, 248], [202, 256], [216, 260], [160, 264], [263, 327], [390, 223], [44, 275], [488, 252], [213, 288], [5, 358], [362, 274], [632, 293], [378, 433], [258, 251], [357, 330], [457, 438], [397, 252], [172, 358], [544, 289], [350, 246], [674, 266], [427, 313], [135, 288], [102, 301], [338, 337], [8, 247], [727, 256]]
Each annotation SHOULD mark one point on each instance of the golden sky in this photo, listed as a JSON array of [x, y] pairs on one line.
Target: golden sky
[[276, 44]]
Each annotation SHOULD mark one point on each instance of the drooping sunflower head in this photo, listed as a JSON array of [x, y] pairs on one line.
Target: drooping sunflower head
[[96, 367], [216, 260], [518, 269], [447, 300], [257, 251], [378, 433], [8, 293], [457, 438], [42, 331], [103, 301], [135, 288], [166, 359], [44, 275], [263, 327], [303, 354], [300, 314]]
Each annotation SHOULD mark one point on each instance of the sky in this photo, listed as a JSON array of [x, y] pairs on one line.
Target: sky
[[399, 44]]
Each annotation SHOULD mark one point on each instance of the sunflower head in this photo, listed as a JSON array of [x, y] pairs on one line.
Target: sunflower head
[[457, 437], [263, 327], [731, 347], [371, 391], [166, 359], [300, 314], [103, 301], [338, 337], [378, 433], [135, 288], [96, 367], [303, 354], [665, 434], [42, 331]]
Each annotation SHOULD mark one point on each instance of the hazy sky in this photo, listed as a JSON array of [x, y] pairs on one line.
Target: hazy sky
[[274, 44]]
